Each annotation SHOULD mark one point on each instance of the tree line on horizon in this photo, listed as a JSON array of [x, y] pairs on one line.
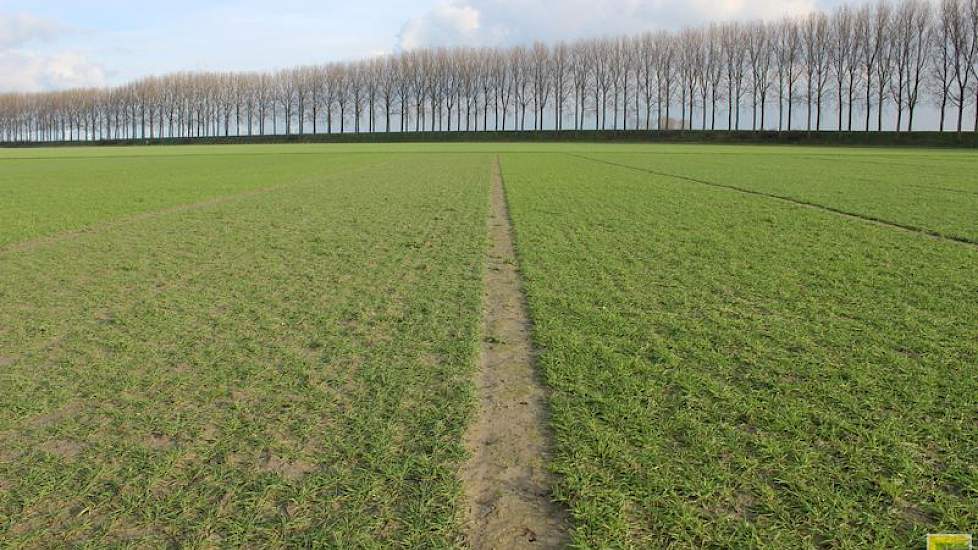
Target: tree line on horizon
[[845, 70]]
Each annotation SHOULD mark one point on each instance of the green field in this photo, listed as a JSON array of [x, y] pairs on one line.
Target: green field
[[269, 346]]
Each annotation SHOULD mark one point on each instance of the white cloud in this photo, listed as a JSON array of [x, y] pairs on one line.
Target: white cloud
[[23, 71], [17, 29], [445, 25], [26, 65], [750, 9], [504, 22]]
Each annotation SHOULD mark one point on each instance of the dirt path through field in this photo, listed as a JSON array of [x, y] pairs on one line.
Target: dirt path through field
[[506, 479]]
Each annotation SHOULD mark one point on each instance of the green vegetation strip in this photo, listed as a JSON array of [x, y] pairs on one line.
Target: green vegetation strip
[[925, 191], [732, 371], [287, 368], [799, 202], [44, 196]]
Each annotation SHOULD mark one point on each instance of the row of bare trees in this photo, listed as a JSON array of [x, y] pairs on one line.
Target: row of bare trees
[[869, 67]]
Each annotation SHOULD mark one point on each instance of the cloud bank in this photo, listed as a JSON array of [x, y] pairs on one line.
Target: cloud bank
[[38, 52], [506, 22], [18, 29], [26, 67]]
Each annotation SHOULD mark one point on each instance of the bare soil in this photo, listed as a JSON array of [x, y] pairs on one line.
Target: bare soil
[[506, 479], [291, 470], [62, 448]]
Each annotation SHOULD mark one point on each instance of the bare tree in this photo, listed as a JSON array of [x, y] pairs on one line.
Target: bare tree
[[962, 45], [911, 36], [714, 70], [870, 38], [521, 76], [759, 54], [541, 73], [842, 28], [884, 61], [922, 29], [894, 52], [787, 54], [601, 54], [468, 64], [816, 47], [940, 60], [417, 73], [503, 72], [388, 88], [702, 68], [690, 65], [974, 53], [486, 84], [339, 85], [665, 71], [735, 51], [629, 70], [559, 68]]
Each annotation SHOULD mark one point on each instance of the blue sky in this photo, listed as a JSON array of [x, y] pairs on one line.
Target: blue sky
[[50, 44]]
